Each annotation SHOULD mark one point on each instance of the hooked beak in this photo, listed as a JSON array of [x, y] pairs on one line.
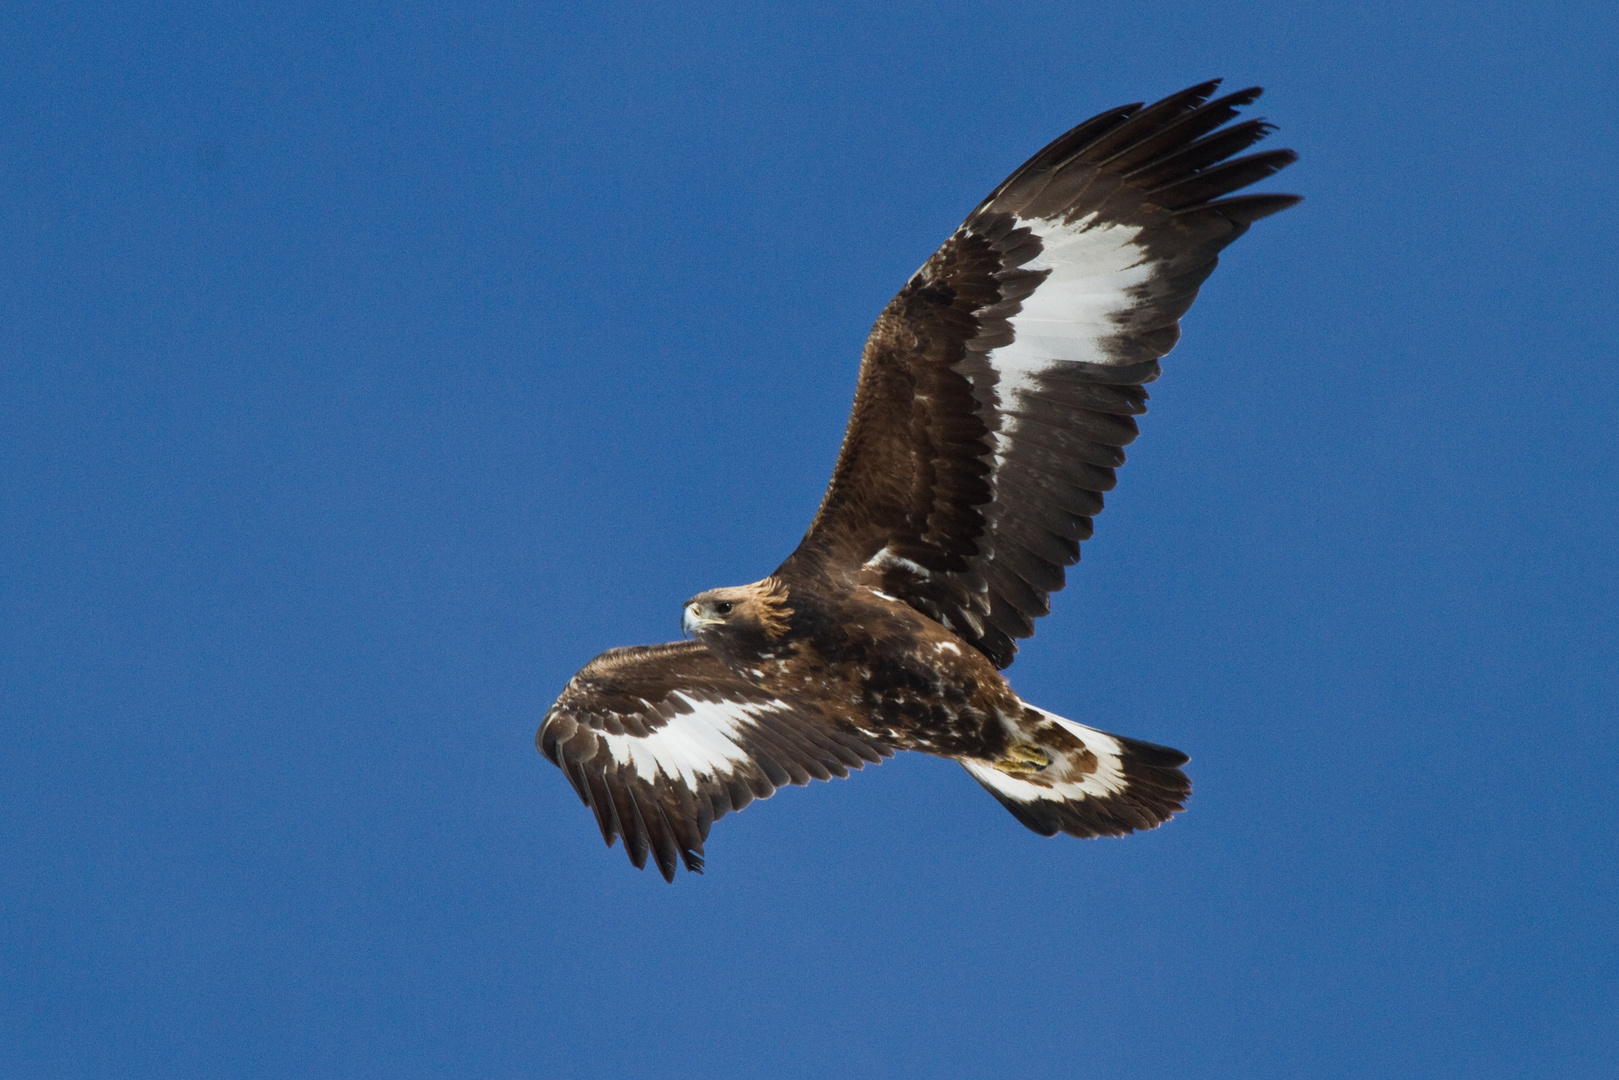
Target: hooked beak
[[691, 621]]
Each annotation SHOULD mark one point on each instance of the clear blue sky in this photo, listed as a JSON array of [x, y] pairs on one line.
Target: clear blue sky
[[363, 373]]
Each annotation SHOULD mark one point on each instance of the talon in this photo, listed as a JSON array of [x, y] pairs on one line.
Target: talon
[[1022, 758]]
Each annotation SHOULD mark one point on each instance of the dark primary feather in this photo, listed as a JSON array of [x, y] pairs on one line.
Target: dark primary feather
[[655, 693], [977, 502]]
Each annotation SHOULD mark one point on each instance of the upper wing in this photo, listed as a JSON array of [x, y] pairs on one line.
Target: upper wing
[[659, 740], [997, 389]]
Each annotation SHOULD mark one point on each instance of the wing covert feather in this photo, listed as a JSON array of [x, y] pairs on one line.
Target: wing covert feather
[[660, 740], [998, 388]]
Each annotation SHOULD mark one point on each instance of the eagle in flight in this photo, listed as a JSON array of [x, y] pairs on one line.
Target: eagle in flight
[[996, 393]]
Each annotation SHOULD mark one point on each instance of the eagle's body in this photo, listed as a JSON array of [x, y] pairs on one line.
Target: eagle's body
[[889, 672], [996, 394]]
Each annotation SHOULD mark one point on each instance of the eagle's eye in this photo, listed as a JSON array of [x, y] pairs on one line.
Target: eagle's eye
[[723, 607]]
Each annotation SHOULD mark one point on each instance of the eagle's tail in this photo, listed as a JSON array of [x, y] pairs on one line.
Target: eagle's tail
[[1066, 777]]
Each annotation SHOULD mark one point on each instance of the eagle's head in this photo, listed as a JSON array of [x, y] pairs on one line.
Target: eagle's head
[[757, 610]]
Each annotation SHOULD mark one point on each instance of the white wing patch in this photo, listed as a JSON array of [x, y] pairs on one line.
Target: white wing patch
[[885, 559], [1093, 270], [703, 742]]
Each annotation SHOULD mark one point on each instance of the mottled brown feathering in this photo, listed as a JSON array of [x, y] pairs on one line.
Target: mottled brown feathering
[[996, 394]]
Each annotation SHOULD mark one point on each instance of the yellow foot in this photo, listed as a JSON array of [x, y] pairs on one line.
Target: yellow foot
[[1022, 758]]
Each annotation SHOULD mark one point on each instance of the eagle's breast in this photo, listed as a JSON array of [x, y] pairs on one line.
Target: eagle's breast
[[889, 671]]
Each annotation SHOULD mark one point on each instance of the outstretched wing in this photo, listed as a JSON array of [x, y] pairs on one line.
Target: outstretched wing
[[659, 740], [998, 389]]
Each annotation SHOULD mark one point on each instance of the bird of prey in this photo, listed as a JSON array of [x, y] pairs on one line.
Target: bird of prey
[[995, 395]]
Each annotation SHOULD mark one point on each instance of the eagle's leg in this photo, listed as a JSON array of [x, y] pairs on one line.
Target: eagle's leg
[[1022, 758]]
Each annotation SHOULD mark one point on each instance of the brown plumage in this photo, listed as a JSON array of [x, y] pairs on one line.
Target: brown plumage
[[996, 394]]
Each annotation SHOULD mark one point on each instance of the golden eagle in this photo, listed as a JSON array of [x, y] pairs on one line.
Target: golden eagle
[[996, 392]]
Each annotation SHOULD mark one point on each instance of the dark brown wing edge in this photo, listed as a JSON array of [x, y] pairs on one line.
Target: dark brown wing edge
[[715, 741], [980, 545]]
